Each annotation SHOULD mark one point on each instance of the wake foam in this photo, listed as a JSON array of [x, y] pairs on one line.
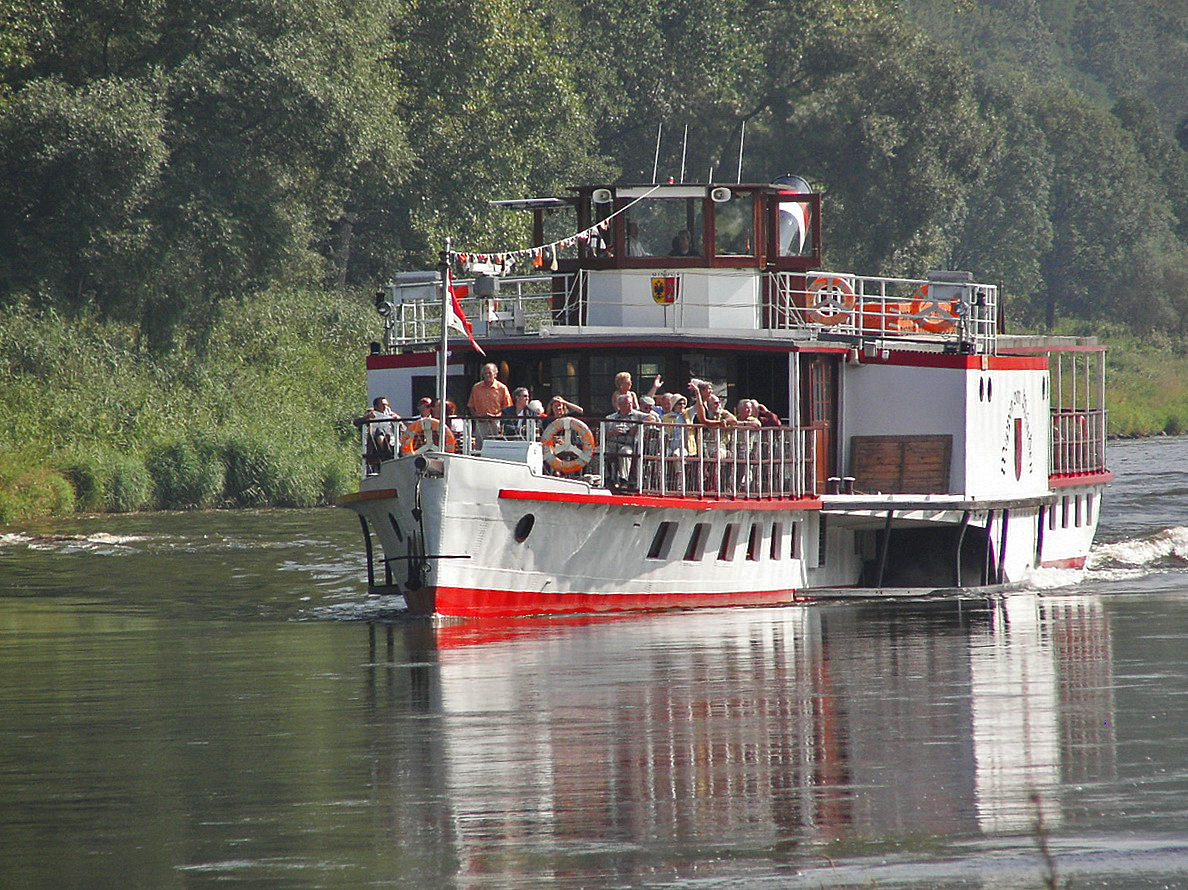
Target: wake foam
[[1166, 549]]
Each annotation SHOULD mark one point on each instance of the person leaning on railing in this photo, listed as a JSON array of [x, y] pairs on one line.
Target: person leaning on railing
[[620, 444]]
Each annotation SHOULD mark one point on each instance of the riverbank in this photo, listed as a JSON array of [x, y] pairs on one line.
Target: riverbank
[[258, 411]]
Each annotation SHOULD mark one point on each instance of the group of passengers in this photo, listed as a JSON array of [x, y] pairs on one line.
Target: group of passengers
[[679, 421], [684, 426]]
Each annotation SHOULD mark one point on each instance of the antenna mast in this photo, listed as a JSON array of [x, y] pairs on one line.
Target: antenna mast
[[742, 132], [656, 162], [684, 149]]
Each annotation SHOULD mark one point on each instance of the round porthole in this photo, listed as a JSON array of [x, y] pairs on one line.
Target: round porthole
[[524, 527]]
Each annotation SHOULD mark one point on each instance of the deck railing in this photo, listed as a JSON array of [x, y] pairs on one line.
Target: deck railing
[[647, 458], [854, 305], [1078, 442]]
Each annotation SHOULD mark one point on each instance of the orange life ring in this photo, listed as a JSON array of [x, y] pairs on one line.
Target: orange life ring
[[833, 300], [936, 316], [568, 445], [414, 439]]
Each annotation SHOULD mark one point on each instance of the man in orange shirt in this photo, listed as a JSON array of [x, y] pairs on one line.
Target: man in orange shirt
[[487, 399]]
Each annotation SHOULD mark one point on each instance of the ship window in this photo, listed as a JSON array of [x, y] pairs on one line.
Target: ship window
[[734, 223], [662, 541], [755, 542], [524, 528], [1064, 512], [777, 540], [1052, 517], [729, 542], [1077, 505], [1088, 509], [794, 538], [696, 548], [654, 223], [795, 235], [821, 541]]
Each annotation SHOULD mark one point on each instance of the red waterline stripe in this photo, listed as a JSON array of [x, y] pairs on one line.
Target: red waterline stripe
[[465, 602], [1072, 562]]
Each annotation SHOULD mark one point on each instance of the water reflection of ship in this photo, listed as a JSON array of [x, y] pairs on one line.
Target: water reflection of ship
[[775, 726]]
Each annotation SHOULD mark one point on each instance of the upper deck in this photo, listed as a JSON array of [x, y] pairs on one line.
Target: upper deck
[[731, 260]]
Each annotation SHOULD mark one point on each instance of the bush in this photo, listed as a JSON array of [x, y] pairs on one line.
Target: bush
[[131, 487], [186, 475], [109, 481], [29, 490]]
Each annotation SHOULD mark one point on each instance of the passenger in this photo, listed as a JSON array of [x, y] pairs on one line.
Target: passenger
[[623, 387], [622, 436], [381, 437], [635, 247], [712, 415], [425, 407], [559, 406], [766, 416], [682, 244], [488, 398], [516, 414], [746, 414], [648, 405], [456, 424]]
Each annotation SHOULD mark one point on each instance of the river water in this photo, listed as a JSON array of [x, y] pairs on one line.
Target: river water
[[200, 700]]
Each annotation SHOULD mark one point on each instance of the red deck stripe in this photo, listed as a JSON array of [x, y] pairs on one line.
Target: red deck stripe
[[677, 503]]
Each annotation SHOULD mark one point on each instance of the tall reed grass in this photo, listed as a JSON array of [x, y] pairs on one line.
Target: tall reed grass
[[251, 415]]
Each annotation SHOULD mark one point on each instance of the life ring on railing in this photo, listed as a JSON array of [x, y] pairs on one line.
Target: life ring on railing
[[832, 300], [568, 445], [936, 316], [414, 439]]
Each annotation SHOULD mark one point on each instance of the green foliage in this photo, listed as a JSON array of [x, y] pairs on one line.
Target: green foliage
[[254, 419], [29, 489], [186, 474]]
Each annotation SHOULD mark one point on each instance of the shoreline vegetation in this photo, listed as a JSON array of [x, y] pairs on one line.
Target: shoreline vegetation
[[258, 412]]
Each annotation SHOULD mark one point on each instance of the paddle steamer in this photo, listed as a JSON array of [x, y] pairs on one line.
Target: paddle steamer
[[920, 449]]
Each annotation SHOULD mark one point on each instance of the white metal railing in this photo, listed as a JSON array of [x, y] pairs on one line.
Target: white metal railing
[[650, 458], [871, 307], [698, 460], [1078, 441], [886, 308]]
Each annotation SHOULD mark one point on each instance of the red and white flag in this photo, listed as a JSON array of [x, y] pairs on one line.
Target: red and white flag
[[457, 319]]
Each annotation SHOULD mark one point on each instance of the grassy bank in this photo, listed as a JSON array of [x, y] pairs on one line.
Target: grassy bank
[[257, 415], [260, 413]]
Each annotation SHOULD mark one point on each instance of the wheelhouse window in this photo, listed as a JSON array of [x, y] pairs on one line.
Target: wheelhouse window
[[671, 225], [734, 223]]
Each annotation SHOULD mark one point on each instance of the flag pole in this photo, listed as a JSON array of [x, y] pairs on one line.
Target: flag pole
[[443, 352]]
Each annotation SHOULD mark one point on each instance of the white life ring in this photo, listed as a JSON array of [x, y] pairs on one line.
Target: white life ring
[[418, 436], [568, 445], [832, 300]]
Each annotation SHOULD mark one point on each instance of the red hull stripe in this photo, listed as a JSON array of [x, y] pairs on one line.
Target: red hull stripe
[[464, 602], [807, 503], [1082, 479], [1073, 562]]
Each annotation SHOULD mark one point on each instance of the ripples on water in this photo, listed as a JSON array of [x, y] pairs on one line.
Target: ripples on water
[[198, 699]]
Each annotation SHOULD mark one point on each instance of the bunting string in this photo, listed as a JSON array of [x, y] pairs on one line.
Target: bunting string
[[506, 260]]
